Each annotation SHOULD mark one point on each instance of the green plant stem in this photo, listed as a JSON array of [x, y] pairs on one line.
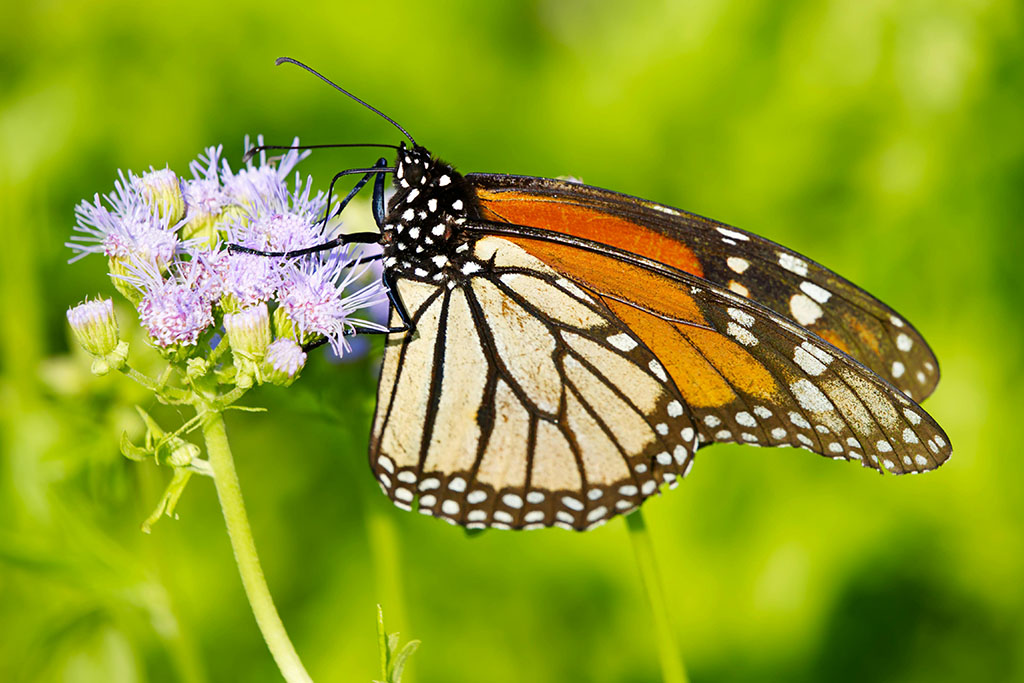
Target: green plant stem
[[672, 668], [164, 394], [387, 566], [230, 494]]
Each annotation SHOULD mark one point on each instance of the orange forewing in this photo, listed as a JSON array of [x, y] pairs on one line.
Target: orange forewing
[[703, 363], [590, 224], [617, 279]]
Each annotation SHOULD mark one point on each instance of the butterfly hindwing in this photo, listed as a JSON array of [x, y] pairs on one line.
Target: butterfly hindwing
[[521, 401], [782, 280]]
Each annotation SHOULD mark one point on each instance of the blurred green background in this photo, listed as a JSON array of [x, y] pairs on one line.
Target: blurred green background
[[885, 140]]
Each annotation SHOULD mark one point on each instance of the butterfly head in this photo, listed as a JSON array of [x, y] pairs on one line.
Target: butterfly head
[[412, 167]]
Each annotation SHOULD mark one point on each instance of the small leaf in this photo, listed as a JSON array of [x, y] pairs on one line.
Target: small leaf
[[151, 426], [400, 658], [169, 500], [392, 645], [131, 451]]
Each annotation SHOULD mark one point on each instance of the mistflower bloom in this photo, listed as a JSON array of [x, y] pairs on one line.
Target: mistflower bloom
[[378, 312], [315, 300], [94, 326], [207, 307], [252, 181], [174, 310], [278, 221], [205, 199], [283, 361], [130, 231], [249, 278], [167, 242], [207, 269]]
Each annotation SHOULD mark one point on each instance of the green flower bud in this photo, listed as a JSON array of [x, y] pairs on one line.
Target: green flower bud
[[249, 331], [196, 368], [284, 361], [118, 272], [114, 360], [162, 190], [249, 336], [95, 327], [206, 228], [181, 453], [284, 326]]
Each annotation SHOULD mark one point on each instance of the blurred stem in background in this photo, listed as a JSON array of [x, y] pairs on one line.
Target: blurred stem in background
[[229, 493], [384, 553], [672, 668]]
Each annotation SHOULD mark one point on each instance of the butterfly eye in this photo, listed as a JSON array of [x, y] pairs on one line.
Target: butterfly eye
[[412, 172]]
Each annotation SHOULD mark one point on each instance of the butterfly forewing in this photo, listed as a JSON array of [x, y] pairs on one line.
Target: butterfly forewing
[[749, 375], [786, 282], [539, 407]]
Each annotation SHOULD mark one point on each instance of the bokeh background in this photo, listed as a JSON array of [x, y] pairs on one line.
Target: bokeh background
[[885, 140]]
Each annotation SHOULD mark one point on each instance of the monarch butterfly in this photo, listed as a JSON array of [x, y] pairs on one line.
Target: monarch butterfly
[[559, 352]]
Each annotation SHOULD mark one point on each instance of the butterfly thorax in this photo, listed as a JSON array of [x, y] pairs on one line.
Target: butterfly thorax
[[422, 237]]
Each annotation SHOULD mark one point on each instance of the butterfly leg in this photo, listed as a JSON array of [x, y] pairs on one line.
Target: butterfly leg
[[388, 277], [352, 193], [378, 170]]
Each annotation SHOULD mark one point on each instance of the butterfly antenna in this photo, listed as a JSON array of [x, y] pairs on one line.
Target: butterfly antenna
[[253, 151], [281, 60]]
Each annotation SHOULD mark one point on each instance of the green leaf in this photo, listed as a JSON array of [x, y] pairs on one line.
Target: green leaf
[[382, 644], [399, 664], [153, 430], [131, 451]]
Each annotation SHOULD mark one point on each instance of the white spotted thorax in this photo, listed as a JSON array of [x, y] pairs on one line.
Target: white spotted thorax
[[420, 234]]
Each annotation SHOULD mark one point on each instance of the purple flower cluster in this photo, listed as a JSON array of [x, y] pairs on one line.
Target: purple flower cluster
[[166, 239]]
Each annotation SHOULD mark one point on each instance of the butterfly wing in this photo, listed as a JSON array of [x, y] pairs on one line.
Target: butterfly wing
[[521, 401], [782, 280], [745, 373]]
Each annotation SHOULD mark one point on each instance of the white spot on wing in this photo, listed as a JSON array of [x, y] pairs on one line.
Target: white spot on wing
[[793, 264], [658, 371], [742, 317], [741, 334], [738, 288], [808, 363], [622, 341], [733, 234], [810, 397], [746, 419], [737, 264], [817, 293], [512, 500], [805, 311]]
